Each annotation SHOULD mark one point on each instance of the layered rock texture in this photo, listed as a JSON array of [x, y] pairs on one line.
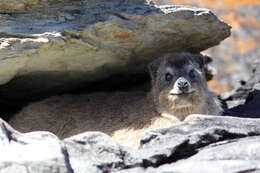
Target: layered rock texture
[[54, 46]]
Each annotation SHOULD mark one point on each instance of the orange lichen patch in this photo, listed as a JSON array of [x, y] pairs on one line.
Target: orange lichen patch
[[217, 87], [217, 4], [123, 35]]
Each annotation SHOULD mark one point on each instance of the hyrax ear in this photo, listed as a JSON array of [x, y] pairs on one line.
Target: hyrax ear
[[210, 72], [153, 68], [207, 59], [201, 60]]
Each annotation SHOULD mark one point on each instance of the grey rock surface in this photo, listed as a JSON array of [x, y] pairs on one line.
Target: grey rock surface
[[226, 166], [185, 139], [243, 101], [35, 152], [96, 152], [250, 106], [58, 45], [232, 156], [201, 143]]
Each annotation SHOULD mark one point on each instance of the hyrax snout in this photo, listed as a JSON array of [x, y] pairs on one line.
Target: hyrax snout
[[179, 85]]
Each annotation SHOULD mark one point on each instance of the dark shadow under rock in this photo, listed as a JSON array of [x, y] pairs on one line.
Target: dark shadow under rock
[[251, 108]]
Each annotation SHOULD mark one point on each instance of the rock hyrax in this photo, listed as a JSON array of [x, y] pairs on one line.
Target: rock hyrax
[[179, 86], [178, 89]]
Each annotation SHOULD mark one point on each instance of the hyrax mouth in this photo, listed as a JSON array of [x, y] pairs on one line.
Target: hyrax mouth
[[182, 99], [183, 94]]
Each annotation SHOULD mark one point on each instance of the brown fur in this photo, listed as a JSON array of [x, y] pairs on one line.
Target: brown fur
[[124, 116]]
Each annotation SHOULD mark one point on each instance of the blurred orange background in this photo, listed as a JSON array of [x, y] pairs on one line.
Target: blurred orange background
[[219, 4]]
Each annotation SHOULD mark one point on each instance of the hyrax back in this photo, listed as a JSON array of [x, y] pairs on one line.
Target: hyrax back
[[179, 88]]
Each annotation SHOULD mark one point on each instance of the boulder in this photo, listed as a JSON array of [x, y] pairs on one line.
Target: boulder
[[250, 106], [96, 152], [202, 144], [221, 157], [55, 46], [43, 152], [208, 140], [32, 152], [185, 139], [243, 101]]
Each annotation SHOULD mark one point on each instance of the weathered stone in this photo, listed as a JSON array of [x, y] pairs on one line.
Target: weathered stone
[[97, 152], [251, 106], [36, 152], [213, 141], [183, 140], [222, 166], [194, 145], [64, 44], [241, 95], [227, 156]]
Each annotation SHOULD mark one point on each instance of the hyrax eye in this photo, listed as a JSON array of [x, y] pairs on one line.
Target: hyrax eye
[[192, 74], [168, 77]]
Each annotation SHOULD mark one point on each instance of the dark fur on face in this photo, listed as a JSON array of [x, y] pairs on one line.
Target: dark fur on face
[[178, 80]]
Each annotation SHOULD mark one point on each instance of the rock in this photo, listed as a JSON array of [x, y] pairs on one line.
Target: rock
[[227, 156], [97, 152], [56, 46], [203, 144], [233, 166], [230, 150], [40, 152], [14, 6], [251, 106], [185, 139], [208, 140], [243, 100]]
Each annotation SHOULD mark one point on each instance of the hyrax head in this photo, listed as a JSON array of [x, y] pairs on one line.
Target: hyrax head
[[178, 83]]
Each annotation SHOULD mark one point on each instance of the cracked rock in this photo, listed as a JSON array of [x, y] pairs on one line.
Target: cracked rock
[[95, 152], [204, 139], [233, 156], [185, 139]]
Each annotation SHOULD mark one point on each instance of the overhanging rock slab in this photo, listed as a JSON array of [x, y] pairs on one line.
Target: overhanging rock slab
[[57, 46]]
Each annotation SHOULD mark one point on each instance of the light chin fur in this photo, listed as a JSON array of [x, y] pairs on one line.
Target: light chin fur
[[180, 106]]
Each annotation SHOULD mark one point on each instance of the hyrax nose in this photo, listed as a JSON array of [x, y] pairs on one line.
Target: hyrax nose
[[182, 84]]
